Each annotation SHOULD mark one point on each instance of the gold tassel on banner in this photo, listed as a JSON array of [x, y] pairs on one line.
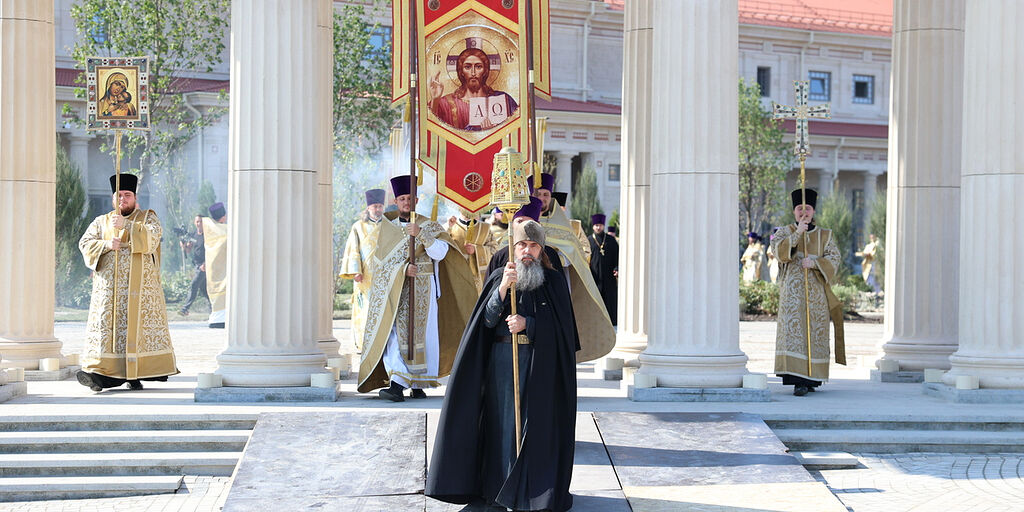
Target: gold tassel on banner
[[407, 112], [433, 210], [419, 174]]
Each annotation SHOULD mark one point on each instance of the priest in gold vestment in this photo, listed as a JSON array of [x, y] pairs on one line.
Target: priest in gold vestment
[[478, 244], [357, 263], [753, 259], [215, 239], [444, 296], [817, 252], [867, 264], [127, 340]]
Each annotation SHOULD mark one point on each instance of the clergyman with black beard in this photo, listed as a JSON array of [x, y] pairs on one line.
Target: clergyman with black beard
[[474, 458]]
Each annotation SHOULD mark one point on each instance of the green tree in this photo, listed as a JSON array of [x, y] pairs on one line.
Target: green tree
[[764, 160], [207, 196], [182, 37], [834, 213], [584, 201], [363, 113], [72, 276]]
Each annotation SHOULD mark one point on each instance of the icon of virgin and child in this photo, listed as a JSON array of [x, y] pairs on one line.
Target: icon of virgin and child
[[116, 100], [474, 105]]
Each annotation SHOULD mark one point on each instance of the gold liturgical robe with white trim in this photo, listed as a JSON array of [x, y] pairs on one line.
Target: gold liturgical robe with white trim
[[358, 259], [142, 345], [791, 333]]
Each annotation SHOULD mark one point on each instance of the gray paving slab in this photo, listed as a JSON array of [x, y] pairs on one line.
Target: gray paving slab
[[40, 375], [249, 395], [13, 390], [333, 460], [696, 449], [974, 396], [698, 394]]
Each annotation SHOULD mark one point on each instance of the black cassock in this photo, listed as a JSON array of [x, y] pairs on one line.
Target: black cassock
[[603, 266], [463, 466]]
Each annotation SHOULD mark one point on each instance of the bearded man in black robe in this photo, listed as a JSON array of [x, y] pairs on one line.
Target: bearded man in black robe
[[475, 458]]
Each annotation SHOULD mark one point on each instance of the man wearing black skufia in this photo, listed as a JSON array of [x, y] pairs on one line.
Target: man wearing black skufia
[[474, 459], [604, 264]]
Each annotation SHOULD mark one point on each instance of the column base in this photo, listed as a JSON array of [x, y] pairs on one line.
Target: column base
[[660, 394], [629, 345], [27, 353], [974, 396], [919, 355], [996, 372], [330, 347], [269, 370], [712, 371]]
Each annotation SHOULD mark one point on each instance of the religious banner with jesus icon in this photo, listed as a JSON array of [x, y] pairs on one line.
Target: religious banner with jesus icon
[[117, 93], [472, 83]]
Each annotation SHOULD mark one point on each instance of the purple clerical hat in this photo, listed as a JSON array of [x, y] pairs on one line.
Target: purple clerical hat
[[217, 211], [597, 218], [547, 182], [401, 185], [531, 210], [374, 196]]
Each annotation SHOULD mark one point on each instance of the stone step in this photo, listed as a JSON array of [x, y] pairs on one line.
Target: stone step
[[901, 441], [945, 423], [74, 423], [124, 441], [113, 464], [81, 487]]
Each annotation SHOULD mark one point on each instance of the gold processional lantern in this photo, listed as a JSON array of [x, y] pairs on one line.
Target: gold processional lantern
[[508, 182], [510, 193]]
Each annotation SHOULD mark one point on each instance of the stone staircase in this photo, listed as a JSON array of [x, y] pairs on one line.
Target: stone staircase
[[74, 457], [899, 434]]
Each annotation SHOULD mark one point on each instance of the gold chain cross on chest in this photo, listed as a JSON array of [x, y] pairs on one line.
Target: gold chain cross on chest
[[801, 113]]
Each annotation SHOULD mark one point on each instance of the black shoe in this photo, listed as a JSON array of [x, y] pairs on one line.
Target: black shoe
[[800, 390], [85, 379], [418, 393], [135, 385], [183, 312], [393, 393], [812, 389]]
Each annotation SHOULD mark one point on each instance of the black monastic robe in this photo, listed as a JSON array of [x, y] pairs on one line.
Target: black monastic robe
[[604, 261], [539, 479]]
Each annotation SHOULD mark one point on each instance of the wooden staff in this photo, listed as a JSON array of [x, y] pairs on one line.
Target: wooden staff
[[515, 338], [531, 104], [807, 286], [117, 232], [413, 146]]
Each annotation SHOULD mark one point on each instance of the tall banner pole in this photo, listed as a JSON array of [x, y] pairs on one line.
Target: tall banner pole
[[509, 193], [807, 286], [117, 232], [413, 147], [531, 111]]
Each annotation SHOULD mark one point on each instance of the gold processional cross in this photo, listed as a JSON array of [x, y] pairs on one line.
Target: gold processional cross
[[802, 112]]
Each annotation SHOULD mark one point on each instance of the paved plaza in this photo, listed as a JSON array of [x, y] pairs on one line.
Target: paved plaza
[[889, 482]]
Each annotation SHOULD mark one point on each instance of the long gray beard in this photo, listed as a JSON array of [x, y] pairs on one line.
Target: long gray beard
[[530, 277]]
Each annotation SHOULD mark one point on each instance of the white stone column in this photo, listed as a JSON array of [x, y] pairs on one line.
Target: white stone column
[[825, 182], [635, 192], [991, 185], [870, 191], [693, 339], [79, 155], [324, 211], [563, 172], [27, 184], [922, 243], [272, 245]]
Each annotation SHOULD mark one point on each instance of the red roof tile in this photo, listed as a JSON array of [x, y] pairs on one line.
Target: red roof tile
[[838, 129], [567, 105], [869, 17], [66, 78]]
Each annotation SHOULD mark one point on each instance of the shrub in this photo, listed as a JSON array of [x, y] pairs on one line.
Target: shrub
[[176, 285], [759, 298], [847, 295]]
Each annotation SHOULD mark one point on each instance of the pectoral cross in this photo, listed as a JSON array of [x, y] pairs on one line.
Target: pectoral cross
[[801, 112]]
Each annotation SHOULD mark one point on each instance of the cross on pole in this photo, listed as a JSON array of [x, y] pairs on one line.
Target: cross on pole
[[801, 112]]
